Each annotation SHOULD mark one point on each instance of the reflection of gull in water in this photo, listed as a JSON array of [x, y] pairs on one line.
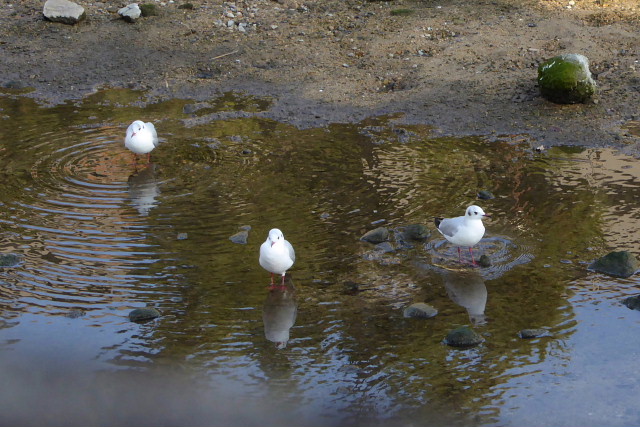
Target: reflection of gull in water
[[279, 313], [467, 289], [143, 189]]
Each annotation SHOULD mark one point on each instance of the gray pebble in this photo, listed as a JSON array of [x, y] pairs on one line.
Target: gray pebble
[[420, 310]]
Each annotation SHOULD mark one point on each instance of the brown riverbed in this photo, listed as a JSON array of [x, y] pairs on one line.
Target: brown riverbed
[[465, 67]]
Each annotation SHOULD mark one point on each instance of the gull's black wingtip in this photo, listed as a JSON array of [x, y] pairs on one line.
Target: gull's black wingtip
[[437, 221]]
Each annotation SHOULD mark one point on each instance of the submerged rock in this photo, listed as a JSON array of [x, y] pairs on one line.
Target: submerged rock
[[484, 261], [242, 236], [9, 260], [142, 314], [63, 11], [75, 313], [385, 248], [632, 302], [350, 288], [420, 310], [377, 235], [463, 336], [566, 79], [619, 264], [416, 232], [485, 195], [130, 12], [533, 333]]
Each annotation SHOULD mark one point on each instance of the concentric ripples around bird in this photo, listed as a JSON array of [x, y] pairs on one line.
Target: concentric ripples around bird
[[97, 237]]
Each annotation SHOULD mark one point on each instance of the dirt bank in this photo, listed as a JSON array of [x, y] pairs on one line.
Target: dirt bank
[[465, 67]]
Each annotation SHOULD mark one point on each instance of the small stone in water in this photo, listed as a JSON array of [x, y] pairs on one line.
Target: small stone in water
[[420, 310], [9, 260], [375, 236], [619, 264], [463, 336], [632, 302], [182, 236], [416, 232], [485, 195], [533, 333], [241, 237], [142, 314], [484, 261], [385, 247], [350, 288], [75, 313]]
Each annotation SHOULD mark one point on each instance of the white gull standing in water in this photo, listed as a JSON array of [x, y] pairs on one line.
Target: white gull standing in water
[[464, 230], [141, 138], [276, 254]]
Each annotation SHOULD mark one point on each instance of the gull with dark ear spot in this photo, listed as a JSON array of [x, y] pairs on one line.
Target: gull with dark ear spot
[[141, 138], [276, 254], [464, 230]]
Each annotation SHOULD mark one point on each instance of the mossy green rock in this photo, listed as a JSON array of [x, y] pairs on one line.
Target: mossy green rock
[[143, 314], [566, 79], [148, 9], [619, 264], [463, 336]]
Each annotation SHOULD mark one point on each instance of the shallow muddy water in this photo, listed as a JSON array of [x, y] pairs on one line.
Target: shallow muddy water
[[97, 238]]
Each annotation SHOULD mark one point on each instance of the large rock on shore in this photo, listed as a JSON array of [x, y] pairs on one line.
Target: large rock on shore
[[566, 79], [63, 11]]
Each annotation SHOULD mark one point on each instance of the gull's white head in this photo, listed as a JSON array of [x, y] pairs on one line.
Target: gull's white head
[[136, 127], [475, 212], [275, 236]]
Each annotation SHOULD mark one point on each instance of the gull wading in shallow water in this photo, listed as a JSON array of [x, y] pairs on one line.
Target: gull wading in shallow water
[[276, 254], [464, 230], [141, 138]]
